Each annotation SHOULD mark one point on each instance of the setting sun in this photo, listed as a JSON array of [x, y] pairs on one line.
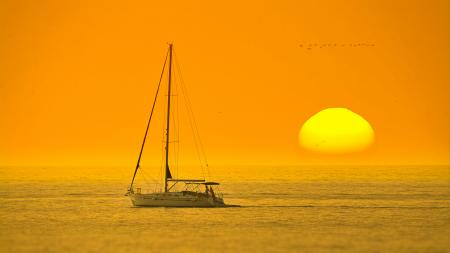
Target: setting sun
[[221, 127], [336, 130]]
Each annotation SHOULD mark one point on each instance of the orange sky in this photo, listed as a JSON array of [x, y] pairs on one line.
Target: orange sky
[[77, 78]]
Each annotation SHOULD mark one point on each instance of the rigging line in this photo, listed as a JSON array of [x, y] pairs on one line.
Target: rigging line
[[174, 125], [163, 138], [150, 182], [190, 109], [144, 173], [148, 124], [195, 134], [163, 133], [148, 179], [177, 120], [192, 113], [178, 130], [161, 166], [196, 144]]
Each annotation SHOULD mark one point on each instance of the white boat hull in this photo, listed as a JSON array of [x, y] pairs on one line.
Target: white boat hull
[[175, 199]]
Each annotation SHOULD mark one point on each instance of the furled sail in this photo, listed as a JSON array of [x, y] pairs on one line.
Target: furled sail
[[168, 174]]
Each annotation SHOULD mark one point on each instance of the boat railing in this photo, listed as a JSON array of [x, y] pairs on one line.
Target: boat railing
[[195, 191]]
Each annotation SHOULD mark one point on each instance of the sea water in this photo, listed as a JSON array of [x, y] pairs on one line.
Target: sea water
[[283, 209]]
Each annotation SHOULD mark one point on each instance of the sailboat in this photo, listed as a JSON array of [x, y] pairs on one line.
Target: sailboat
[[193, 192]]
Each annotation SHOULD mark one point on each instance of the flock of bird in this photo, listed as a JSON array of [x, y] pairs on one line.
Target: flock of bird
[[310, 46]]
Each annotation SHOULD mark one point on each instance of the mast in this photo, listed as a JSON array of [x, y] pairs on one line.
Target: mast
[[167, 170]]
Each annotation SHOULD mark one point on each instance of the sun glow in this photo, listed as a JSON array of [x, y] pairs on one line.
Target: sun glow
[[336, 130]]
